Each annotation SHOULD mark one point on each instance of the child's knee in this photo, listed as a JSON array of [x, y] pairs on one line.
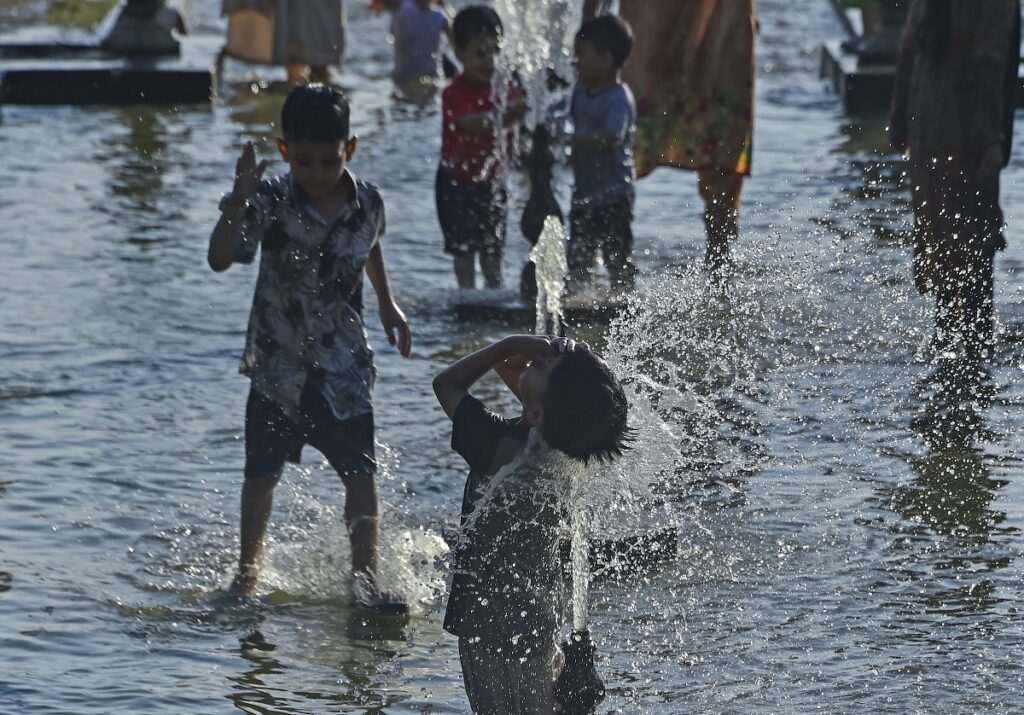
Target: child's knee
[[265, 480]]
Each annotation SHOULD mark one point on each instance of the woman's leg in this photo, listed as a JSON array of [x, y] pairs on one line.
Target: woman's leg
[[320, 74], [297, 73], [721, 193]]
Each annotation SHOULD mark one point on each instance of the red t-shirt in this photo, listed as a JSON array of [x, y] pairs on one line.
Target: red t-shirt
[[465, 156]]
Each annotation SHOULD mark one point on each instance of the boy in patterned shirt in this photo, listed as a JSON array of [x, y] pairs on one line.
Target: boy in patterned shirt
[[306, 351]]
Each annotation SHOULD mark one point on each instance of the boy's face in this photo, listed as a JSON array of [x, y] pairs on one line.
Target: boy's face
[[592, 65], [478, 57], [316, 166], [533, 384]]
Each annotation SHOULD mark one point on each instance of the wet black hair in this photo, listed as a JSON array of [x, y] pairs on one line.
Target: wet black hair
[[474, 21], [585, 409], [315, 113], [608, 33]]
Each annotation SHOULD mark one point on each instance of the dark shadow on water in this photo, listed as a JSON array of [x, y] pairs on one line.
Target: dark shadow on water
[[950, 545], [953, 491]]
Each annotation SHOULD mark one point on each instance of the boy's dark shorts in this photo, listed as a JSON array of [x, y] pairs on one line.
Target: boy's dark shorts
[[600, 226], [271, 437], [608, 228], [472, 216]]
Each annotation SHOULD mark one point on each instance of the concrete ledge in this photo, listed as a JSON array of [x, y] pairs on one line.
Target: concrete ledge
[[867, 89], [111, 85], [61, 70], [863, 90]]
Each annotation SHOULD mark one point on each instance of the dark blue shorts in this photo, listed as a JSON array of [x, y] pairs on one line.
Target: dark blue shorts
[[473, 217], [272, 438]]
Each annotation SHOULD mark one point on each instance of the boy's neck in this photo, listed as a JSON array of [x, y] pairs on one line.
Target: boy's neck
[[329, 205], [605, 83]]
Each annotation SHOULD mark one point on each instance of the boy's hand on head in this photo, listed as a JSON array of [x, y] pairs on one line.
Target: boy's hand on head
[[396, 327], [567, 345], [248, 173]]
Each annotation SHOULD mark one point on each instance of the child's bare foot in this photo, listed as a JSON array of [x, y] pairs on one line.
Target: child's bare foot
[[367, 596], [245, 582]]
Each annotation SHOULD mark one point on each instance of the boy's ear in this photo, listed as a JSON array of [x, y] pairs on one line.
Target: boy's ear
[[350, 147], [282, 146]]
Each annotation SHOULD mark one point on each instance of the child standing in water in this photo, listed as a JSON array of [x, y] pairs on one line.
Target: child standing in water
[[417, 28], [604, 120], [472, 204], [306, 352], [506, 599]]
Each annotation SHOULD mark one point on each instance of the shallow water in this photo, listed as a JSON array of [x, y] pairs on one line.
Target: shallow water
[[849, 512]]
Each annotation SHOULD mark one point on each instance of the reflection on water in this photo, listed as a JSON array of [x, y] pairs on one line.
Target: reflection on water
[[849, 516]]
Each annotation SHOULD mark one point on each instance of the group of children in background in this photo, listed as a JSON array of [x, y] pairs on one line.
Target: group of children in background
[[472, 203], [476, 142], [318, 229]]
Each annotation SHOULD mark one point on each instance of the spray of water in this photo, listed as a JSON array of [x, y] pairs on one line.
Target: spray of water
[[549, 257]]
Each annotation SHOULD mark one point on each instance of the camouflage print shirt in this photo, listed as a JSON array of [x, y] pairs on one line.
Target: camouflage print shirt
[[306, 317]]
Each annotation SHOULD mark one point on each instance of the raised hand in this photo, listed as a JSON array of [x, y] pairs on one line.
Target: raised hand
[[248, 173]]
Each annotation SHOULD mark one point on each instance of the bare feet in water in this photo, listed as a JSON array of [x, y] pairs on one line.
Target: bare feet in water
[[368, 597], [245, 582]]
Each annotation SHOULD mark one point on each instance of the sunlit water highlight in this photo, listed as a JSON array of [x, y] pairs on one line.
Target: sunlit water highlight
[[848, 513]]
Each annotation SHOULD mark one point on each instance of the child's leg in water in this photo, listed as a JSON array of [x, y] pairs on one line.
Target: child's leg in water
[[465, 270], [362, 522], [257, 503], [490, 266]]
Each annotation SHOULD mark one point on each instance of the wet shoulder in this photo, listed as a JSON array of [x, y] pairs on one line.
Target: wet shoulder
[[368, 193]]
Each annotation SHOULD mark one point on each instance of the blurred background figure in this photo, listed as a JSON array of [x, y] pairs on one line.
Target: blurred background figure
[[952, 113], [306, 37], [417, 28], [692, 74]]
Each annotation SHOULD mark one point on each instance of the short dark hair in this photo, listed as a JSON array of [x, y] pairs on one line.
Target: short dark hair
[[608, 33], [315, 113], [474, 21], [585, 409]]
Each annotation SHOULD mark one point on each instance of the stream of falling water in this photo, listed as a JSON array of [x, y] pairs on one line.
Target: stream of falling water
[[549, 257]]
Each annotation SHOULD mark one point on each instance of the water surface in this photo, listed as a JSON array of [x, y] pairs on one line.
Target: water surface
[[849, 510]]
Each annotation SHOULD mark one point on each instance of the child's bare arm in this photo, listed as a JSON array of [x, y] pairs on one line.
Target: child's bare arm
[[509, 371], [453, 383], [391, 316], [248, 175], [485, 122]]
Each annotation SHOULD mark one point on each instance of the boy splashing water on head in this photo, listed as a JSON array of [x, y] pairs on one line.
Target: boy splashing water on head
[[506, 599], [306, 352]]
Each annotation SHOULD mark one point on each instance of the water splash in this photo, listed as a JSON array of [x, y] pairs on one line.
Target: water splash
[[538, 37], [579, 522], [549, 257]]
